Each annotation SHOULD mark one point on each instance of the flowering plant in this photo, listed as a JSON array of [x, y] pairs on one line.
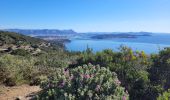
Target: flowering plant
[[84, 82]]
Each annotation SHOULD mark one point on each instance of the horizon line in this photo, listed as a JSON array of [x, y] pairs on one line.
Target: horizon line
[[81, 32]]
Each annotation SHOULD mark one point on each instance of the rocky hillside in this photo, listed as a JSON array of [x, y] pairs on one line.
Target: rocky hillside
[[10, 41]]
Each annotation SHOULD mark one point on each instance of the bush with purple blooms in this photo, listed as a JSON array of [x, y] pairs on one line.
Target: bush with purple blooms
[[85, 82]]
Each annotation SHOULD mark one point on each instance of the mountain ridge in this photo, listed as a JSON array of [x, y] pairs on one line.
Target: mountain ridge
[[36, 32]]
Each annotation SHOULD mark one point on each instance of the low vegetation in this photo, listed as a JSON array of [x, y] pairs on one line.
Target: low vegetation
[[121, 75], [83, 82]]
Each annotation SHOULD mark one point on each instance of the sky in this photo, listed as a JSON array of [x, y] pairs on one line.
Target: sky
[[87, 15]]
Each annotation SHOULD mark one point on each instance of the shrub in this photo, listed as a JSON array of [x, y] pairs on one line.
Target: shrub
[[160, 71], [84, 82], [130, 66], [20, 52], [164, 96], [15, 69]]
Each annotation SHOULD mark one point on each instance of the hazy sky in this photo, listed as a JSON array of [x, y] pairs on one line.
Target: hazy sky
[[87, 15]]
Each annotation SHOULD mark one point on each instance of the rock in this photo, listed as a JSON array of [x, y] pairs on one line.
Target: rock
[[18, 98]]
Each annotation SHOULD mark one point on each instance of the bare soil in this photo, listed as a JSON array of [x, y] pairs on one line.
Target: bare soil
[[24, 92]]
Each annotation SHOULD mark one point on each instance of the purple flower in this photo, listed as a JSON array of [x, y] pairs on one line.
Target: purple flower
[[87, 76], [117, 82], [66, 72], [62, 84], [124, 98], [126, 92], [97, 88]]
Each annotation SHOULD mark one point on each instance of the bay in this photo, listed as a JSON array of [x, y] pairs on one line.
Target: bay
[[148, 44]]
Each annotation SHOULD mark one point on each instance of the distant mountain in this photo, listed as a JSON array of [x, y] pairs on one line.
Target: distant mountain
[[42, 32], [55, 34]]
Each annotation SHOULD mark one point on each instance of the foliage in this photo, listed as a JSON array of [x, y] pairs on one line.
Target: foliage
[[53, 59], [131, 67], [15, 69], [143, 76], [21, 64], [20, 52], [84, 82], [160, 72], [164, 96], [17, 39]]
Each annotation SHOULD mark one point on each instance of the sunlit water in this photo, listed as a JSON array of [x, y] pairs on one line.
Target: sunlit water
[[149, 44]]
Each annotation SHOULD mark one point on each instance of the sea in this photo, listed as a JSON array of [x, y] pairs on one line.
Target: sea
[[149, 44]]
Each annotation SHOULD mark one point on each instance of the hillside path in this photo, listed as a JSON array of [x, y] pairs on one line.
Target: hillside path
[[24, 92]]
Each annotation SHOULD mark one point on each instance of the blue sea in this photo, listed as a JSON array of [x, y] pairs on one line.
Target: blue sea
[[149, 44]]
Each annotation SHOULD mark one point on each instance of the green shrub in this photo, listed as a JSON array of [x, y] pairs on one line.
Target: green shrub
[[20, 52], [15, 69], [164, 96], [84, 82], [130, 66], [160, 71]]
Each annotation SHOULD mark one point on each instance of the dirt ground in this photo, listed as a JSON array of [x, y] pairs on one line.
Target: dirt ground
[[24, 92]]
